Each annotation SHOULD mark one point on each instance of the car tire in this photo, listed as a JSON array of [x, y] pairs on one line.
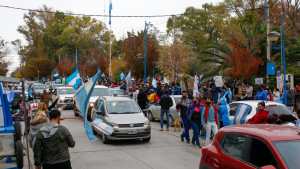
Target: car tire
[[19, 154], [104, 139], [147, 140], [94, 131], [18, 131]]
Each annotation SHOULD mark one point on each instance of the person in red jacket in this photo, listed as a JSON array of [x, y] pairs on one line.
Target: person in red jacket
[[261, 115]]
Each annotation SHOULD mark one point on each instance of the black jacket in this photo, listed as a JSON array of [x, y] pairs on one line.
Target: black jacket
[[166, 102]]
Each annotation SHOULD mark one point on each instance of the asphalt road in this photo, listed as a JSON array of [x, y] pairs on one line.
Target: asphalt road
[[164, 151]]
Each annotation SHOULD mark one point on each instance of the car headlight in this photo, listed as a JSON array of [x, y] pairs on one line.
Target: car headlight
[[147, 123]]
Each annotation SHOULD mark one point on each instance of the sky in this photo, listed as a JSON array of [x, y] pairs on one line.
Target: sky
[[11, 19]]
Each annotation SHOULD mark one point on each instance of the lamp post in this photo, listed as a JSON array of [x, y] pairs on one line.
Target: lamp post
[[274, 36]]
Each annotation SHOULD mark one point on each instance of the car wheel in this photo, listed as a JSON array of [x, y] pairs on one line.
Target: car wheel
[[150, 116], [19, 154], [18, 131], [104, 139], [94, 131], [147, 140]]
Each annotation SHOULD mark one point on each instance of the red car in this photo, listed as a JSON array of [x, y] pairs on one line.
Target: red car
[[253, 147]]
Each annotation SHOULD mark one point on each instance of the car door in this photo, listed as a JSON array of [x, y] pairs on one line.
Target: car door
[[242, 151]]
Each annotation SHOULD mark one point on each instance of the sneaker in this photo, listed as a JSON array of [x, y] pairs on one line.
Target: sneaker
[[167, 129], [182, 138], [161, 129]]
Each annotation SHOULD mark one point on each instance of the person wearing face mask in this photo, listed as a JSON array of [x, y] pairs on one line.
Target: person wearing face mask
[[261, 115], [194, 116], [51, 148], [183, 106]]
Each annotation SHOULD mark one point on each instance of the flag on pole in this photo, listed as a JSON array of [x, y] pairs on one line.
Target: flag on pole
[[74, 79], [154, 83], [196, 84], [82, 99], [110, 9], [122, 76], [128, 81]]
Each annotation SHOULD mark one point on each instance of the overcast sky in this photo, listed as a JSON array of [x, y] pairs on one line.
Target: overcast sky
[[11, 19]]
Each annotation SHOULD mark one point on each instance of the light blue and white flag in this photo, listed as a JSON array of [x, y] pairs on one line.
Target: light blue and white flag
[[82, 99], [122, 76], [74, 79], [128, 81]]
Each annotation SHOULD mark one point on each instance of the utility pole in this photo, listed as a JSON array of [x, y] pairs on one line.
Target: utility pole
[[110, 40], [282, 50], [145, 50], [267, 13]]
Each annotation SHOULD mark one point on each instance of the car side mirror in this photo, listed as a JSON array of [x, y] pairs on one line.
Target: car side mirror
[[267, 167], [101, 113]]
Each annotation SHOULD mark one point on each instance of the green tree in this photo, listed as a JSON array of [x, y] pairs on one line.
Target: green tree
[[3, 55]]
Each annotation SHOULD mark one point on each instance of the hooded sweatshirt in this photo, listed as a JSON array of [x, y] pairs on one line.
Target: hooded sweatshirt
[[51, 145]]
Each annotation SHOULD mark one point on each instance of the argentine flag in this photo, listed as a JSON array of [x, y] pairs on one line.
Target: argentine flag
[[74, 79]]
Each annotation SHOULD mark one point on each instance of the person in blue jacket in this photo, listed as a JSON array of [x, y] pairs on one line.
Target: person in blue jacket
[[261, 94], [224, 113]]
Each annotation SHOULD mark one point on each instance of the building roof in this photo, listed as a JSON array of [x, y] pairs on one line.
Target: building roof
[[266, 131]]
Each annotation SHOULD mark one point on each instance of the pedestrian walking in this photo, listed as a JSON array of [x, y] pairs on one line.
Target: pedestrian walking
[[52, 143], [210, 119], [261, 115], [165, 103], [183, 106], [195, 114], [261, 94], [38, 120]]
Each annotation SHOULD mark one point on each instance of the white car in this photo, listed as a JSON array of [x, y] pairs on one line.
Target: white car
[[65, 96], [242, 111], [119, 118], [98, 91], [154, 109]]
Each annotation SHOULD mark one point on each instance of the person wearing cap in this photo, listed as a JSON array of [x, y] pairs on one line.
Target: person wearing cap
[[261, 115], [51, 148], [210, 119]]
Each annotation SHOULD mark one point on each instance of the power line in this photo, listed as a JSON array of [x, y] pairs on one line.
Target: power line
[[89, 15]]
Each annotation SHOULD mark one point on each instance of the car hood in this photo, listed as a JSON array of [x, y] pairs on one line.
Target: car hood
[[127, 118], [64, 96]]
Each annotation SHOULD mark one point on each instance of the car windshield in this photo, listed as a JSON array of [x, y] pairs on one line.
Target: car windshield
[[65, 91], [280, 114], [100, 92], [122, 107], [118, 92], [289, 151]]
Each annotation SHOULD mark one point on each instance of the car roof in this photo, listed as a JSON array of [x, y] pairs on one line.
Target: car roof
[[116, 98], [64, 87], [254, 103], [266, 131], [101, 87]]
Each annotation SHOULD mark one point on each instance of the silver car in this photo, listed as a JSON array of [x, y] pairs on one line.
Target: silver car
[[154, 109], [119, 118]]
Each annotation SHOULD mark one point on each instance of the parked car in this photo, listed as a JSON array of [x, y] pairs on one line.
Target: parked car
[[98, 91], [65, 96], [262, 146], [242, 111], [154, 109], [119, 118]]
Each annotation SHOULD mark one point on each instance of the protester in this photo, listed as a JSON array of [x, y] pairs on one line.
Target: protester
[[276, 95], [165, 103], [270, 95], [142, 98], [210, 119], [52, 143], [195, 113], [183, 105], [291, 99], [261, 94], [45, 98], [249, 92], [39, 120], [261, 115], [224, 113]]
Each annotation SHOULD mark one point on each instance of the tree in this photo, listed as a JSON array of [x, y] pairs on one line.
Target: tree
[[3, 55], [133, 51]]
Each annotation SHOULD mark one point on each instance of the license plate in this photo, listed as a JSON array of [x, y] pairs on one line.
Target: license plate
[[132, 132]]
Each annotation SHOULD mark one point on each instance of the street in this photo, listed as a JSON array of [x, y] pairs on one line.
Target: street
[[165, 151]]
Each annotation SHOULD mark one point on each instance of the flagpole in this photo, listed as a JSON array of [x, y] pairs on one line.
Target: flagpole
[[110, 40]]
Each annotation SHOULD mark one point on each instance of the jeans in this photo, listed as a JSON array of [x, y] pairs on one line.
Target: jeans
[[210, 127], [196, 133], [186, 128], [162, 113]]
